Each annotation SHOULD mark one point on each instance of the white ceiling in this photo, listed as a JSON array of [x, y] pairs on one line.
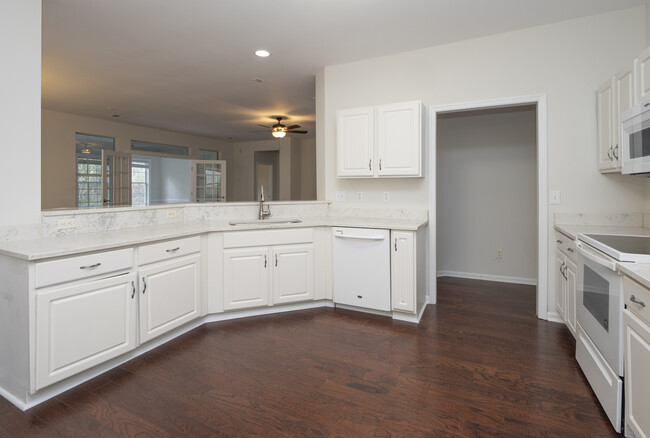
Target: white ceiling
[[188, 65]]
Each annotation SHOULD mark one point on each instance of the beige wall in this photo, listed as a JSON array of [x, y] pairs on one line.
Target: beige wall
[[308, 170], [20, 112], [566, 61], [58, 149], [487, 194]]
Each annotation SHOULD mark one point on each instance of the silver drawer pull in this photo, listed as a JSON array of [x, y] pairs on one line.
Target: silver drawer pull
[[90, 266], [634, 300], [570, 249], [173, 249], [558, 241]]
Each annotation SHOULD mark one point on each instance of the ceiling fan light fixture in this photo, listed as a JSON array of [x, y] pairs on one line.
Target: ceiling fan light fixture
[[278, 132]]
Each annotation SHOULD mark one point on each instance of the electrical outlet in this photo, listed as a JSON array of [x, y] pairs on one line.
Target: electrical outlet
[[499, 253], [340, 196], [359, 196], [65, 224], [386, 196], [171, 214]]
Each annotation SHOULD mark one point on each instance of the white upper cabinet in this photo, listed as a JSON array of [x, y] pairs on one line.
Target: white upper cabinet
[[355, 142], [643, 76], [399, 139], [381, 141], [605, 98]]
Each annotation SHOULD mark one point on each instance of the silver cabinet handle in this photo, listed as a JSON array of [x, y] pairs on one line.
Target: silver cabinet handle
[[133, 286], [370, 164], [609, 153], [396, 244], [265, 260], [90, 266], [173, 249], [144, 281], [276, 260], [380, 164], [634, 300], [558, 241], [614, 152], [570, 249]]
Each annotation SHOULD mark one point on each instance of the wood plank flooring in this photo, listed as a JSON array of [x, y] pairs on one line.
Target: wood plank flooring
[[480, 364]]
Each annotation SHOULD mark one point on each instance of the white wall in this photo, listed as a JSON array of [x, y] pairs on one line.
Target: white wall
[[308, 169], [567, 61], [241, 174], [58, 149], [20, 112], [487, 194]]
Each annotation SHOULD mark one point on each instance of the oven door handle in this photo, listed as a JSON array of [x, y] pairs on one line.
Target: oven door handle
[[594, 257]]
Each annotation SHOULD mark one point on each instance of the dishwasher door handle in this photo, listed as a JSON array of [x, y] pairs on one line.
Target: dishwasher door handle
[[352, 236]]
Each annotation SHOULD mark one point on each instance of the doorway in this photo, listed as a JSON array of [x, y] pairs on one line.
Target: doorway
[[267, 175], [536, 210]]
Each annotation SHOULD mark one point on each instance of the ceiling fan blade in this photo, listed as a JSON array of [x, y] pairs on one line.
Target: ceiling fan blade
[[297, 132], [293, 126], [264, 126]]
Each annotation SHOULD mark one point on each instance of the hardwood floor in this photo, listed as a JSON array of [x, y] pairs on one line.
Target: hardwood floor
[[480, 364]]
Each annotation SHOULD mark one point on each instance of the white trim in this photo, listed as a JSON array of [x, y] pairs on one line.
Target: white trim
[[542, 187], [554, 317], [488, 277], [364, 310]]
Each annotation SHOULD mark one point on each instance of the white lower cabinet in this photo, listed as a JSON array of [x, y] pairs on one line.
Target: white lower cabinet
[[262, 276], [170, 295], [565, 281], [636, 318], [83, 325], [560, 284], [403, 271]]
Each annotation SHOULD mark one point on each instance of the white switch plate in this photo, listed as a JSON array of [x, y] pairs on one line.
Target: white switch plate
[[171, 214], [499, 253], [340, 196], [555, 197], [386, 196], [359, 196], [64, 224]]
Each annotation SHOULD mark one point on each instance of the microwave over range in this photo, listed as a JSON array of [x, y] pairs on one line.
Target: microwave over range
[[635, 140]]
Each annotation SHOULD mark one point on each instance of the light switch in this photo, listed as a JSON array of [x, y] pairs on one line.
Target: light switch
[[555, 198]]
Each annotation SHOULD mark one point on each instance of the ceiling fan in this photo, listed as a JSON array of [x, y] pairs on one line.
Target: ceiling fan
[[279, 130]]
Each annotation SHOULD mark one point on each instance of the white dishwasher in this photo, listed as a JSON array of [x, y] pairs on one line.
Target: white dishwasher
[[362, 267]]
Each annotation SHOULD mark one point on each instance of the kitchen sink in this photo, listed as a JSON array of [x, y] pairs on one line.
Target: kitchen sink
[[266, 221]]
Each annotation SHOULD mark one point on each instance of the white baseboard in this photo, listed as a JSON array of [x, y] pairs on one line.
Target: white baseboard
[[488, 277], [554, 317]]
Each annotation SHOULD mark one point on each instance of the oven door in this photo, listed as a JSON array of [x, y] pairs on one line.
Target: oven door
[[599, 305]]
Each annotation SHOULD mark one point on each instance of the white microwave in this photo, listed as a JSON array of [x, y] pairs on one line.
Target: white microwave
[[635, 140]]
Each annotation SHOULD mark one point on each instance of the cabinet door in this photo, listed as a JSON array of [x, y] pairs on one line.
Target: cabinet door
[[625, 98], [605, 98], [643, 76], [169, 295], [570, 309], [403, 274], [637, 376], [399, 139], [293, 273], [355, 142], [246, 275], [80, 326], [560, 284]]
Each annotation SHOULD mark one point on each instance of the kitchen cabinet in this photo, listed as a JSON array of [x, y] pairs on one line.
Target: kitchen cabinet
[[403, 271], [281, 271], [565, 280], [636, 319], [642, 69], [616, 95], [82, 325], [381, 141]]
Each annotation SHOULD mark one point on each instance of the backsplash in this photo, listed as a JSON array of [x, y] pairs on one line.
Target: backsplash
[[614, 220]]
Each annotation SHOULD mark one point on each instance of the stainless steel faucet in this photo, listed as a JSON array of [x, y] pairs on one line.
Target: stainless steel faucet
[[264, 212]]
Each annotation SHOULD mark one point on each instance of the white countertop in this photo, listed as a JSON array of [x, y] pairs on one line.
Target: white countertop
[[37, 249]]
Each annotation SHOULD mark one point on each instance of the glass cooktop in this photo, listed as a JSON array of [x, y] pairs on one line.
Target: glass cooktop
[[623, 248]]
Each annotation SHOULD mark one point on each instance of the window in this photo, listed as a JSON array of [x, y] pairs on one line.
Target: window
[[158, 148], [140, 169], [206, 154], [88, 150]]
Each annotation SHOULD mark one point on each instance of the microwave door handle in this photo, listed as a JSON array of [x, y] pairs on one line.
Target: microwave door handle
[[594, 258]]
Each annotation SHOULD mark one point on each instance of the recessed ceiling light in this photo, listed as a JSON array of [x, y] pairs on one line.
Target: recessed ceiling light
[[258, 79], [262, 53]]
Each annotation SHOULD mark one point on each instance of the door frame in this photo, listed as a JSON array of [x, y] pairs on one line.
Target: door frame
[[539, 100]]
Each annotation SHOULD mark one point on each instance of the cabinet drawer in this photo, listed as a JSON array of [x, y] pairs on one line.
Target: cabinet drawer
[[567, 246], [75, 268], [169, 249], [241, 239], [630, 288]]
